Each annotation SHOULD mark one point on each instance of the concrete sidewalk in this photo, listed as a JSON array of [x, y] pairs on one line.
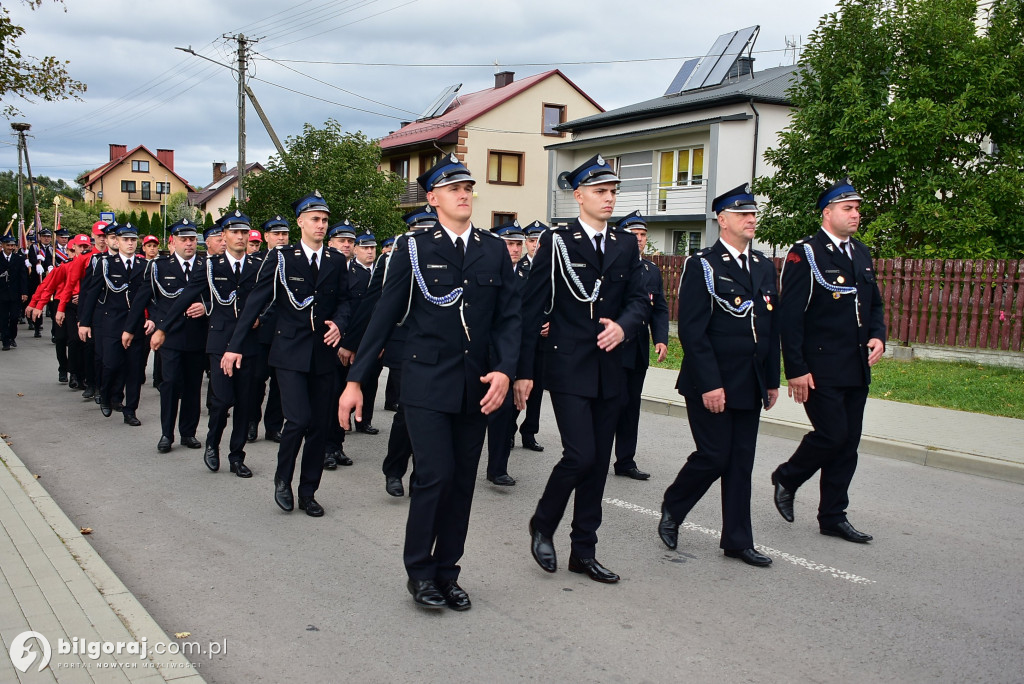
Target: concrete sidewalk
[[971, 443], [53, 582]]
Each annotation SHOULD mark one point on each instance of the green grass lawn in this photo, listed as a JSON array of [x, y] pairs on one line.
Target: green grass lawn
[[962, 386]]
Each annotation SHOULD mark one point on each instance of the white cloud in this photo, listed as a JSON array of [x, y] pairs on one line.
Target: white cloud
[[143, 91]]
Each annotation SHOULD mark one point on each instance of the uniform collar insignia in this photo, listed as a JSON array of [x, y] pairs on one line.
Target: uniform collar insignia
[[725, 257], [577, 235], [829, 246], [476, 236], [437, 234]]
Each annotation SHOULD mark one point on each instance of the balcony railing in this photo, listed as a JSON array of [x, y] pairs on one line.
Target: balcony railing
[[652, 200], [148, 197], [413, 194]]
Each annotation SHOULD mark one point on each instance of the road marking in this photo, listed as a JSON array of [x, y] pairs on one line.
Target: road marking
[[767, 550]]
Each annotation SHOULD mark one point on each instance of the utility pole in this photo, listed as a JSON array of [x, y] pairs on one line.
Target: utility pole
[[23, 153], [243, 49]]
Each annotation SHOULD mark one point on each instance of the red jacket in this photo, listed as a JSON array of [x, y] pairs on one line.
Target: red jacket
[[51, 284], [73, 279]]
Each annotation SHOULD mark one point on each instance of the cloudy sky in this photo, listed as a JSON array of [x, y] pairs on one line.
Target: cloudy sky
[[143, 91]]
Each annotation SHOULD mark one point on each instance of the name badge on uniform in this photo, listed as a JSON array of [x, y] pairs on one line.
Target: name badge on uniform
[[430, 266], [578, 265], [726, 278], [218, 278], [298, 280]]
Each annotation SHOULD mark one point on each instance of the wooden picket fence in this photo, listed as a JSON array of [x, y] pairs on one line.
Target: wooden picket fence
[[954, 302]]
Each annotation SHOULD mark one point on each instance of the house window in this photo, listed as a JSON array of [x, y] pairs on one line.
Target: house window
[[427, 161], [127, 186], [500, 218], [145, 190], [505, 168], [400, 167], [141, 166], [679, 168], [685, 242], [163, 188], [553, 115]]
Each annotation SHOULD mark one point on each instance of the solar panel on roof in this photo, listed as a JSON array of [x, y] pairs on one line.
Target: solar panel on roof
[[737, 46], [440, 103], [708, 62], [684, 73]]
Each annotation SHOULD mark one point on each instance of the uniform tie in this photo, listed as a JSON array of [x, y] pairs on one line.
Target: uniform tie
[[600, 252], [842, 248], [313, 265], [743, 262], [460, 250], [128, 265], [188, 269], [238, 269]]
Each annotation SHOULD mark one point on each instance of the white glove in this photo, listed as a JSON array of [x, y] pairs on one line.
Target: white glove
[[39, 269]]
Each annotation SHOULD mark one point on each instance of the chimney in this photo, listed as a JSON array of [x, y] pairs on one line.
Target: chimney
[[117, 151], [166, 157], [503, 78], [744, 66], [219, 170]]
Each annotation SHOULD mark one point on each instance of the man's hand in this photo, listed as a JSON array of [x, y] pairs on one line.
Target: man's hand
[[31, 314], [876, 348], [196, 310], [157, 340], [126, 339], [24, 298], [521, 391], [773, 395], [714, 400], [351, 400], [495, 396], [84, 332], [346, 356], [59, 317], [74, 299], [662, 350], [256, 324], [800, 388], [612, 335], [229, 362], [149, 326], [545, 329], [333, 336]]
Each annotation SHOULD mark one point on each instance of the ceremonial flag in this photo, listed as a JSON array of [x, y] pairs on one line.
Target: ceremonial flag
[[22, 238]]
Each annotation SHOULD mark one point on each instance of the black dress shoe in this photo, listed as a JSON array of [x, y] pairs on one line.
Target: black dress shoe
[[119, 407], [503, 480], [634, 473], [312, 508], [88, 392], [283, 495], [96, 398], [211, 457], [37, 335], [7, 347], [668, 529], [391, 407], [425, 593], [164, 445], [847, 532], [252, 433], [783, 499], [750, 557], [14, 344], [330, 462], [130, 419], [454, 595], [592, 569], [105, 409], [342, 459], [191, 442], [240, 469], [393, 486], [62, 377], [367, 429], [543, 550], [530, 442], [73, 382], [274, 436]]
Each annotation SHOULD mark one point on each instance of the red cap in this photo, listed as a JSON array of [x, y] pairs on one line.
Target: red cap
[[98, 228], [150, 238], [81, 239], [255, 236]]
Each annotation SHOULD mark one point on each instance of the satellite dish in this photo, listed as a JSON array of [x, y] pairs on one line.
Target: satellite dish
[[563, 181]]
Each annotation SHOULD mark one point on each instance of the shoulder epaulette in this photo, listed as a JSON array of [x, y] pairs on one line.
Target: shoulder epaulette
[[488, 234]]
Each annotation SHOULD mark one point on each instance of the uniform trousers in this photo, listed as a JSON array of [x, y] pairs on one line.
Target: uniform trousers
[[60, 337], [837, 416], [369, 387], [531, 423], [306, 401], [447, 447], [501, 426], [336, 433], [10, 312], [587, 427], [76, 348], [273, 417], [181, 389], [122, 370], [629, 421], [396, 462], [725, 443], [392, 390], [235, 392]]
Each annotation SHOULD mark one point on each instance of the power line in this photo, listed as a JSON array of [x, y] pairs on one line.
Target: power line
[[322, 99], [335, 28], [491, 65]]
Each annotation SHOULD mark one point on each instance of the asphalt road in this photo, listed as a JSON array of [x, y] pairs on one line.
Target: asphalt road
[[938, 596]]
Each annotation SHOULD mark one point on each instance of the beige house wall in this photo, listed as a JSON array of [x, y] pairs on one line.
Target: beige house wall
[[110, 185]]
